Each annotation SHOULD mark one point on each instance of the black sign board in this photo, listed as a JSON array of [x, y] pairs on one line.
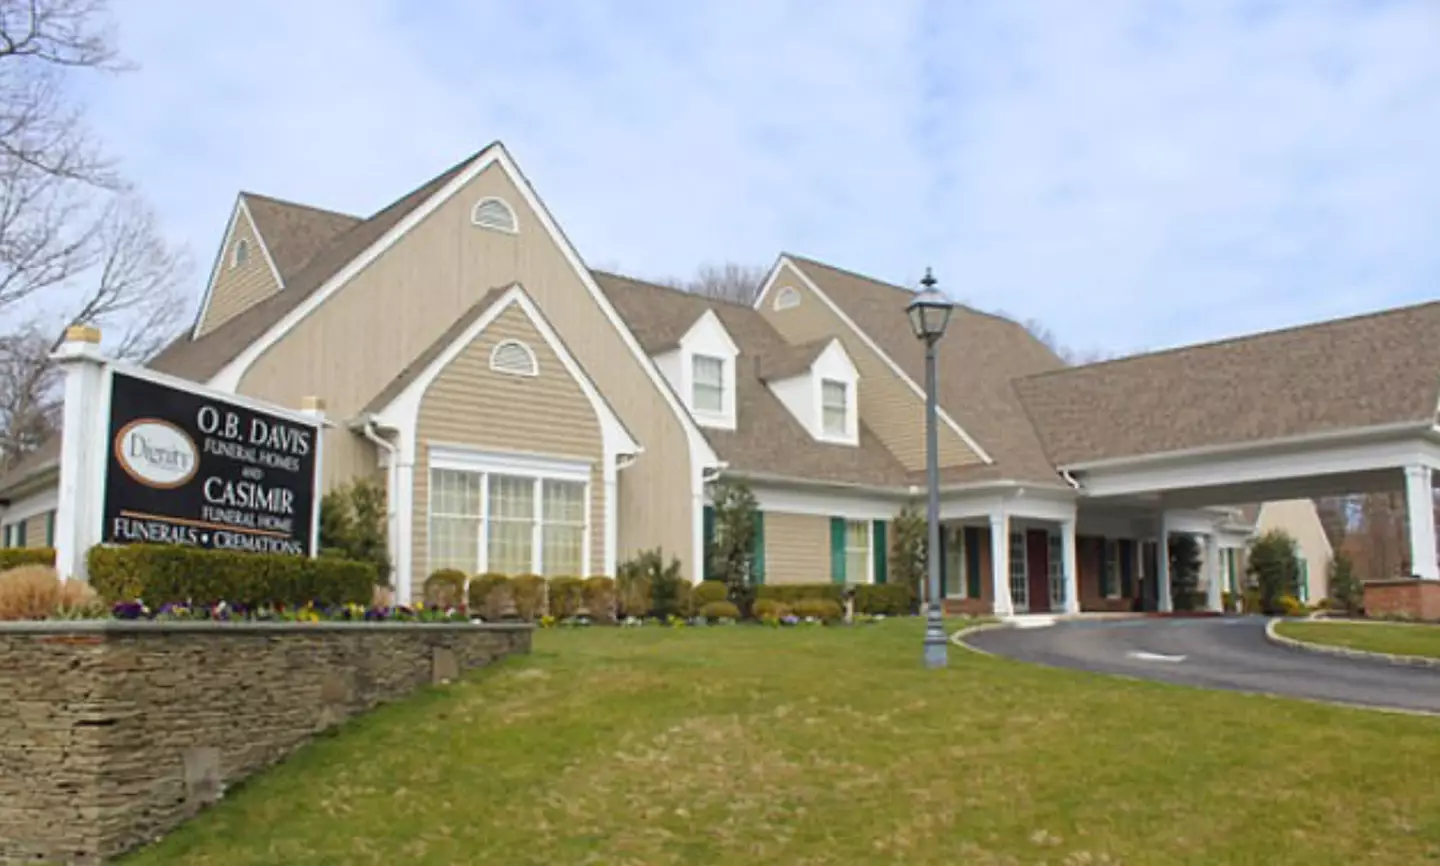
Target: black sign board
[[188, 468]]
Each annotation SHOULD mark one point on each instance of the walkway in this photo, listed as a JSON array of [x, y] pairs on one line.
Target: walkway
[[1215, 653]]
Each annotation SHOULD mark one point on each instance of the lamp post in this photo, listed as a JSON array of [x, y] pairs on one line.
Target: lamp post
[[929, 314]]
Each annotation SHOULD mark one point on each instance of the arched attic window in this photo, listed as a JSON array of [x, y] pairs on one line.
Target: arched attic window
[[787, 298], [240, 256], [494, 213], [513, 358]]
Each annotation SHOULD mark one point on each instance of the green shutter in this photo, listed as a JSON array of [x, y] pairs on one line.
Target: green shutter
[[1126, 551], [49, 529], [709, 546], [20, 533], [757, 551], [837, 549], [879, 550], [972, 563]]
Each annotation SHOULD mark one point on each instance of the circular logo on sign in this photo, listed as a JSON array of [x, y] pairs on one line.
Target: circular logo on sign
[[156, 453]]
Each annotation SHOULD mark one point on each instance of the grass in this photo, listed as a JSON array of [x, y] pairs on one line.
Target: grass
[[744, 745], [1378, 637]]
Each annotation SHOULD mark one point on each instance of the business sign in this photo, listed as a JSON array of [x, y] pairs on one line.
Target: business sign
[[195, 469]]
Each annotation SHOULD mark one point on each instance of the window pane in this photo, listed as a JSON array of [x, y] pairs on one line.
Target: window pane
[[857, 551], [709, 371], [564, 502], [455, 492], [455, 543], [562, 550], [510, 533], [512, 498], [709, 384]]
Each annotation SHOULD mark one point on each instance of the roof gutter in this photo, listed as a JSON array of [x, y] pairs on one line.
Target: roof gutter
[[1329, 437], [904, 492]]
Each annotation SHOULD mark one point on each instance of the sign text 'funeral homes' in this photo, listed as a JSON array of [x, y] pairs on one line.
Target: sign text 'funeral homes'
[[188, 468]]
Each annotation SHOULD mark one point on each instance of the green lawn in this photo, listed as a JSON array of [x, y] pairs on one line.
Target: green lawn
[[743, 745], [1378, 637]]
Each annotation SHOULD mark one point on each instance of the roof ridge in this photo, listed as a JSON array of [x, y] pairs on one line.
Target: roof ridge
[[245, 193], [1238, 338], [676, 289], [969, 308]]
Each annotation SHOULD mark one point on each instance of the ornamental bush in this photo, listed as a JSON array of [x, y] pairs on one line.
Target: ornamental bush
[[825, 609], [445, 588], [708, 591], [528, 591], [566, 596], [490, 596], [14, 557], [165, 573], [600, 598], [794, 592], [720, 610], [770, 610], [887, 599]]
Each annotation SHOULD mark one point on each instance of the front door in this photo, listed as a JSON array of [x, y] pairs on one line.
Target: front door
[[1037, 563]]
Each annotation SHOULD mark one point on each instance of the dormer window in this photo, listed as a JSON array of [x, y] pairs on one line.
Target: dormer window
[[834, 407], [708, 384]]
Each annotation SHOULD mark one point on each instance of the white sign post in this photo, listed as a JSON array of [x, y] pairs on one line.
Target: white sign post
[[77, 522]]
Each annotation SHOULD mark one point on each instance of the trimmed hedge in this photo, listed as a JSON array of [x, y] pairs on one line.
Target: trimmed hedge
[[445, 588], [888, 599], [769, 610], [720, 610], [824, 609], [566, 596], [12, 557], [600, 598], [163, 573], [489, 595], [791, 593], [528, 590], [708, 591]]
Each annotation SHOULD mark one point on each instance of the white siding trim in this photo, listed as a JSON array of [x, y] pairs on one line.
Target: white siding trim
[[31, 506]]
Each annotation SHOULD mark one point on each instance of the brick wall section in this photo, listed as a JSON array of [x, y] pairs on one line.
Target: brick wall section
[[1418, 599], [114, 733]]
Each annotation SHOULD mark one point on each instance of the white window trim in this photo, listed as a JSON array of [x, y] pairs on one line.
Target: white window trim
[[514, 227], [869, 549], [725, 396], [534, 369], [458, 458], [845, 436], [787, 298], [235, 249]]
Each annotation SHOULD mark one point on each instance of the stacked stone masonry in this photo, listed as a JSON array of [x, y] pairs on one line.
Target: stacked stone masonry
[[112, 734]]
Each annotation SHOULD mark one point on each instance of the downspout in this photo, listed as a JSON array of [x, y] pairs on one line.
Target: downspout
[[392, 491], [1069, 479]]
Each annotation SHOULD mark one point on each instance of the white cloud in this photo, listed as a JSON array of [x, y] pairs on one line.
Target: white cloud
[[1133, 174]]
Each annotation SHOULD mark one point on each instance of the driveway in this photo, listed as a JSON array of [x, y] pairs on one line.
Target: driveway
[[1215, 653]]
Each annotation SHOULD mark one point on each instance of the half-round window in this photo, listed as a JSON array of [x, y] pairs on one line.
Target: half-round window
[[494, 213], [787, 298], [241, 255], [513, 358]]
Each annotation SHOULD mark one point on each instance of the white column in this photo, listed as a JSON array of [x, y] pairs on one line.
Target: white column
[[315, 408], [1069, 561], [612, 519], [404, 499], [1000, 563], [1162, 566], [1214, 600], [1420, 508], [82, 449]]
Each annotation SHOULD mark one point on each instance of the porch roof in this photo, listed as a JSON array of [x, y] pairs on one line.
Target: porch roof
[[1380, 369]]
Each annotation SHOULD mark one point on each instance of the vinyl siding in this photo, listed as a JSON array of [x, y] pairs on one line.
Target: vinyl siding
[[545, 415], [236, 289], [797, 548], [35, 531], [1299, 518], [887, 405], [366, 333]]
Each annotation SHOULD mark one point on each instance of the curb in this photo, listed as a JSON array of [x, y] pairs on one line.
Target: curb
[[958, 638], [1278, 639]]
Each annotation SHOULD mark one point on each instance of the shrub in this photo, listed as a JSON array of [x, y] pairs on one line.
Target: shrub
[[770, 610], [907, 550], [731, 552], [1185, 572], [720, 610], [1274, 569], [528, 592], [1289, 605], [353, 523], [668, 592], [445, 588], [490, 596], [632, 591], [163, 573], [567, 596], [78, 600], [29, 592], [890, 599], [824, 609], [600, 598], [1346, 591], [14, 557], [708, 591], [794, 592]]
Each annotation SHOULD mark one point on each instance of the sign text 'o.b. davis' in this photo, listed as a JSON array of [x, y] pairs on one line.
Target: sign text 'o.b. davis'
[[187, 468]]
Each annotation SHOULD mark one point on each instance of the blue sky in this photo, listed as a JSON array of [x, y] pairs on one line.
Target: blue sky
[[1135, 174]]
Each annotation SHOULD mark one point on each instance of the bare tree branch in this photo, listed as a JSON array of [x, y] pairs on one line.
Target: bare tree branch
[[731, 281]]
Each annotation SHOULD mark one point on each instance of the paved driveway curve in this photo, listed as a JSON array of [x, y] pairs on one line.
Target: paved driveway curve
[[1215, 653]]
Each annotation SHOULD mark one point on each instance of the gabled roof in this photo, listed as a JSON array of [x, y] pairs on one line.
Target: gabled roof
[[768, 439], [978, 357], [1365, 371], [199, 359], [293, 233], [791, 360]]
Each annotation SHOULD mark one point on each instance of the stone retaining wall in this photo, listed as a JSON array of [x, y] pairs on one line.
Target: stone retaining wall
[[1406, 596], [113, 733]]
